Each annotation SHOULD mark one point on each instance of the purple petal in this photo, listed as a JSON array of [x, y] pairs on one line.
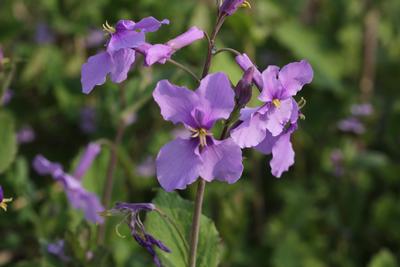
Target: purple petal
[[279, 116], [134, 207], [176, 103], [282, 155], [245, 63], [91, 152], [362, 110], [58, 249], [158, 53], [95, 70], [46, 167], [88, 202], [25, 135], [186, 38], [294, 76], [125, 39], [351, 124], [177, 164], [149, 24], [122, 62], [272, 88], [267, 144], [7, 95], [251, 132], [125, 25], [217, 98], [1, 194], [230, 6], [222, 161], [295, 112]]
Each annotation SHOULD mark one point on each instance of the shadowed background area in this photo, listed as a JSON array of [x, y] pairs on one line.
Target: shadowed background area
[[339, 205]]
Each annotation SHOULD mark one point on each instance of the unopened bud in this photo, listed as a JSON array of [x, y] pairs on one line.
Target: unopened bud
[[229, 7], [243, 88]]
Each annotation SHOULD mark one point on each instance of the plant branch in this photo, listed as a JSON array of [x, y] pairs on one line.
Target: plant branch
[[184, 68]]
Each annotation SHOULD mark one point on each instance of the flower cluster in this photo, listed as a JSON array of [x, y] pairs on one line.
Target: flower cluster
[[77, 195]]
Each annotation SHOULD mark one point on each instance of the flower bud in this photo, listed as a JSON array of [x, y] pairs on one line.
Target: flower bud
[[243, 88], [229, 7]]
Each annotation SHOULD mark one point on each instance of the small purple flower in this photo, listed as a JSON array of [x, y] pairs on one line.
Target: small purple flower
[[3, 201], [95, 38], [7, 96], [137, 228], [351, 125], [147, 168], [362, 110], [25, 135], [337, 162], [229, 7], [182, 161], [119, 55], [278, 88], [88, 120], [44, 34], [77, 195], [159, 53], [58, 249]]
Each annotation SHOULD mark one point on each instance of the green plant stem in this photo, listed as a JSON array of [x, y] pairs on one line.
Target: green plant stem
[[226, 49], [184, 68]]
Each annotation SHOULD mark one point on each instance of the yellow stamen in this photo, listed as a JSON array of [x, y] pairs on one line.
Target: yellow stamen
[[277, 103], [3, 204], [246, 4], [107, 28], [202, 134]]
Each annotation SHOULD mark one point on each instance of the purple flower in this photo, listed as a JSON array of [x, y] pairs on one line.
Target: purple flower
[[147, 168], [25, 135], [337, 162], [58, 249], [159, 53], [278, 88], [3, 201], [229, 7], [137, 228], [77, 195], [95, 38], [243, 88], [43, 34], [7, 96], [88, 120], [362, 110], [119, 55], [182, 161], [351, 125]]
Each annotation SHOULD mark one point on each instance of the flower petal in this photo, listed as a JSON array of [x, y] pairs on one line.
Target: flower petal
[[125, 39], [177, 164], [122, 62], [251, 132], [279, 116], [294, 76], [88, 202], [149, 24], [186, 38], [95, 70], [245, 63], [45, 167], [282, 155], [216, 97], [267, 144], [272, 87], [222, 161], [158, 53], [176, 103], [91, 152]]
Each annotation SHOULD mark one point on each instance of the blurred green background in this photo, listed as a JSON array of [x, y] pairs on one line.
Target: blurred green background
[[338, 206]]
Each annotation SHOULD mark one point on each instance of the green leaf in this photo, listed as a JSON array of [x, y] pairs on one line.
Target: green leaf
[[180, 212], [8, 141], [384, 258]]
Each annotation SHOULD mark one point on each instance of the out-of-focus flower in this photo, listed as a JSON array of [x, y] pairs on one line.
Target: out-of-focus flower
[[138, 231], [77, 195], [43, 35], [182, 161], [95, 38], [88, 120], [147, 168], [58, 249], [243, 88], [119, 55], [3, 200], [229, 7], [362, 110], [337, 162], [25, 135], [159, 53], [352, 125], [7, 96]]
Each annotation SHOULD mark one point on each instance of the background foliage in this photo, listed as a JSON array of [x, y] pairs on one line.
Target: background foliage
[[322, 213]]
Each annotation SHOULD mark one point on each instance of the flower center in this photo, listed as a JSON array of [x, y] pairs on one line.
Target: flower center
[[276, 102], [3, 203], [107, 28], [246, 4], [202, 134]]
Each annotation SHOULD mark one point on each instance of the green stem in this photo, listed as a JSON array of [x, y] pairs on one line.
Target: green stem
[[183, 67]]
